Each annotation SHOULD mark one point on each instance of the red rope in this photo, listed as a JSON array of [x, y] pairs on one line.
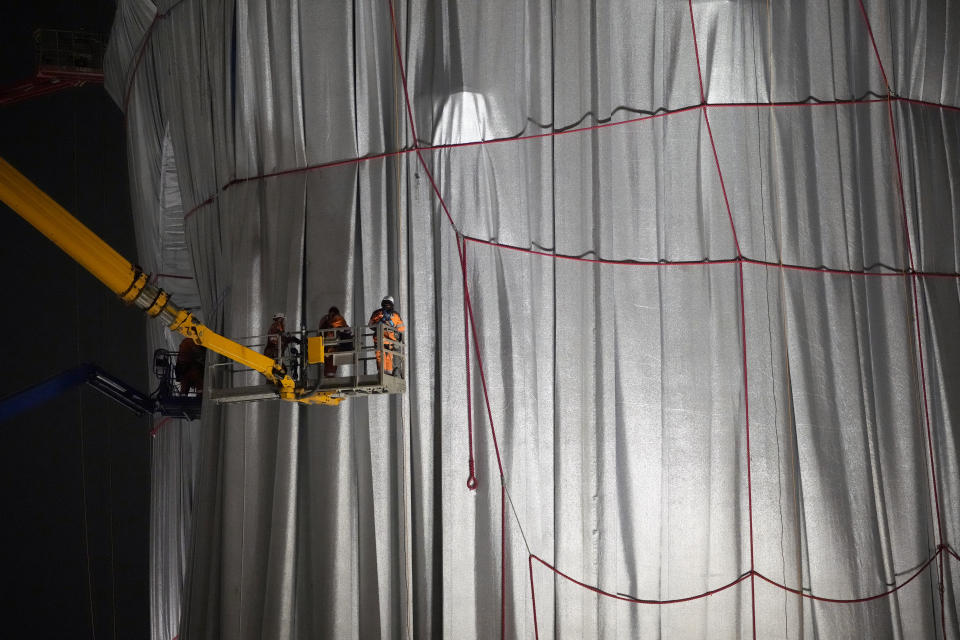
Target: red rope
[[903, 202], [136, 64], [549, 134], [403, 73], [503, 561], [743, 325], [746, 413], [952, 552], [943, 610], [876, 52], [472, 482], [924, 103], [619, 596], [723, 187], [158, 426], [877, 596], [147, 36], [533, 598], [443, 205], [483, 382], [696, 51], [740, 260], [850, 272], [717, 261], [634, 263], [469, 324], [914, 286], [748, 574]]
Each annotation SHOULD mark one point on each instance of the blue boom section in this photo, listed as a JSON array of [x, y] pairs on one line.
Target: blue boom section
[[112, 387], [30, 397]]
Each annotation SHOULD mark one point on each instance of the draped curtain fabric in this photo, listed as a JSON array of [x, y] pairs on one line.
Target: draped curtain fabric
[[681, 287]]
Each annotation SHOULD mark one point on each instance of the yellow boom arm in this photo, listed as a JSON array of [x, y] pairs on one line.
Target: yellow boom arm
[[121, 276]]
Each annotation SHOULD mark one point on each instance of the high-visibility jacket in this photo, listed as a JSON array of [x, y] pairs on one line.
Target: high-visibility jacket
[[332, 321], [391, 320], [393, 329], [344, 337]]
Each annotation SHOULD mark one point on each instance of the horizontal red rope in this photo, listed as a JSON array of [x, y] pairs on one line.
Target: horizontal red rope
[[298, 170], [877, 596], [716, 261], [925, 103], [741, 578], [618, 596], [810, 102]]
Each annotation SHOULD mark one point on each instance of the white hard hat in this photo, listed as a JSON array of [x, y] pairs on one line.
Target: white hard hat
[[387, 300], [280, 314]]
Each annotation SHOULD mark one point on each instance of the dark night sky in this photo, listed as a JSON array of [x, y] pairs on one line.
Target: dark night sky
[[74, 473]]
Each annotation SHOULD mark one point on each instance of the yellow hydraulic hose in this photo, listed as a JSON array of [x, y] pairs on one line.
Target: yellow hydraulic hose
[[122, 277]]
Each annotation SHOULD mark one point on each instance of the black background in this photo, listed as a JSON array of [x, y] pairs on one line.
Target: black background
[[74, 473]]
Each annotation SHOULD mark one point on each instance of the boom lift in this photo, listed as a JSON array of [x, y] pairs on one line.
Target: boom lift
[[166, 401], [287, 379]]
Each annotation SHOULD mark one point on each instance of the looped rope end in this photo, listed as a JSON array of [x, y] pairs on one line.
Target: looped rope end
[[472, 482]]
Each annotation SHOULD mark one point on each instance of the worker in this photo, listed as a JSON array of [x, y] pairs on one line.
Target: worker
[[278, 341], [190, 364], [277, 337], [392, 333], [341, 340]]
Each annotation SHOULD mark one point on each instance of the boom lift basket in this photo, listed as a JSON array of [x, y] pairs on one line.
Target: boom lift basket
[[358, 355], [63, 53]]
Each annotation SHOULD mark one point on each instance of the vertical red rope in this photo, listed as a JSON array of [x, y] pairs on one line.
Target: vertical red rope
[[533, 599], [503, 560], [914, 286], [468, 320], [472, 482], [876, 51], [943, 612], [746, 412], [743, 325], [446, 210], [713, 146], [483, 384], [723, 186], [403, 74]]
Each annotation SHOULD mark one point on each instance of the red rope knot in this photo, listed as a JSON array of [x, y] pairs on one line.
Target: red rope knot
[[472, 482]]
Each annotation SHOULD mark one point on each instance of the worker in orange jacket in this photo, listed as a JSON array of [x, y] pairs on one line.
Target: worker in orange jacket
[[341, 340], [393, 329]]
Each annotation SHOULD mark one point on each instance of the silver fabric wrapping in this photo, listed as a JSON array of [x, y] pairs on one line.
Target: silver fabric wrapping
[[663, 429]]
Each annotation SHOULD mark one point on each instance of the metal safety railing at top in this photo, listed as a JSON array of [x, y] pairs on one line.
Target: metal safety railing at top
[[72, 52], [352, 361]]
